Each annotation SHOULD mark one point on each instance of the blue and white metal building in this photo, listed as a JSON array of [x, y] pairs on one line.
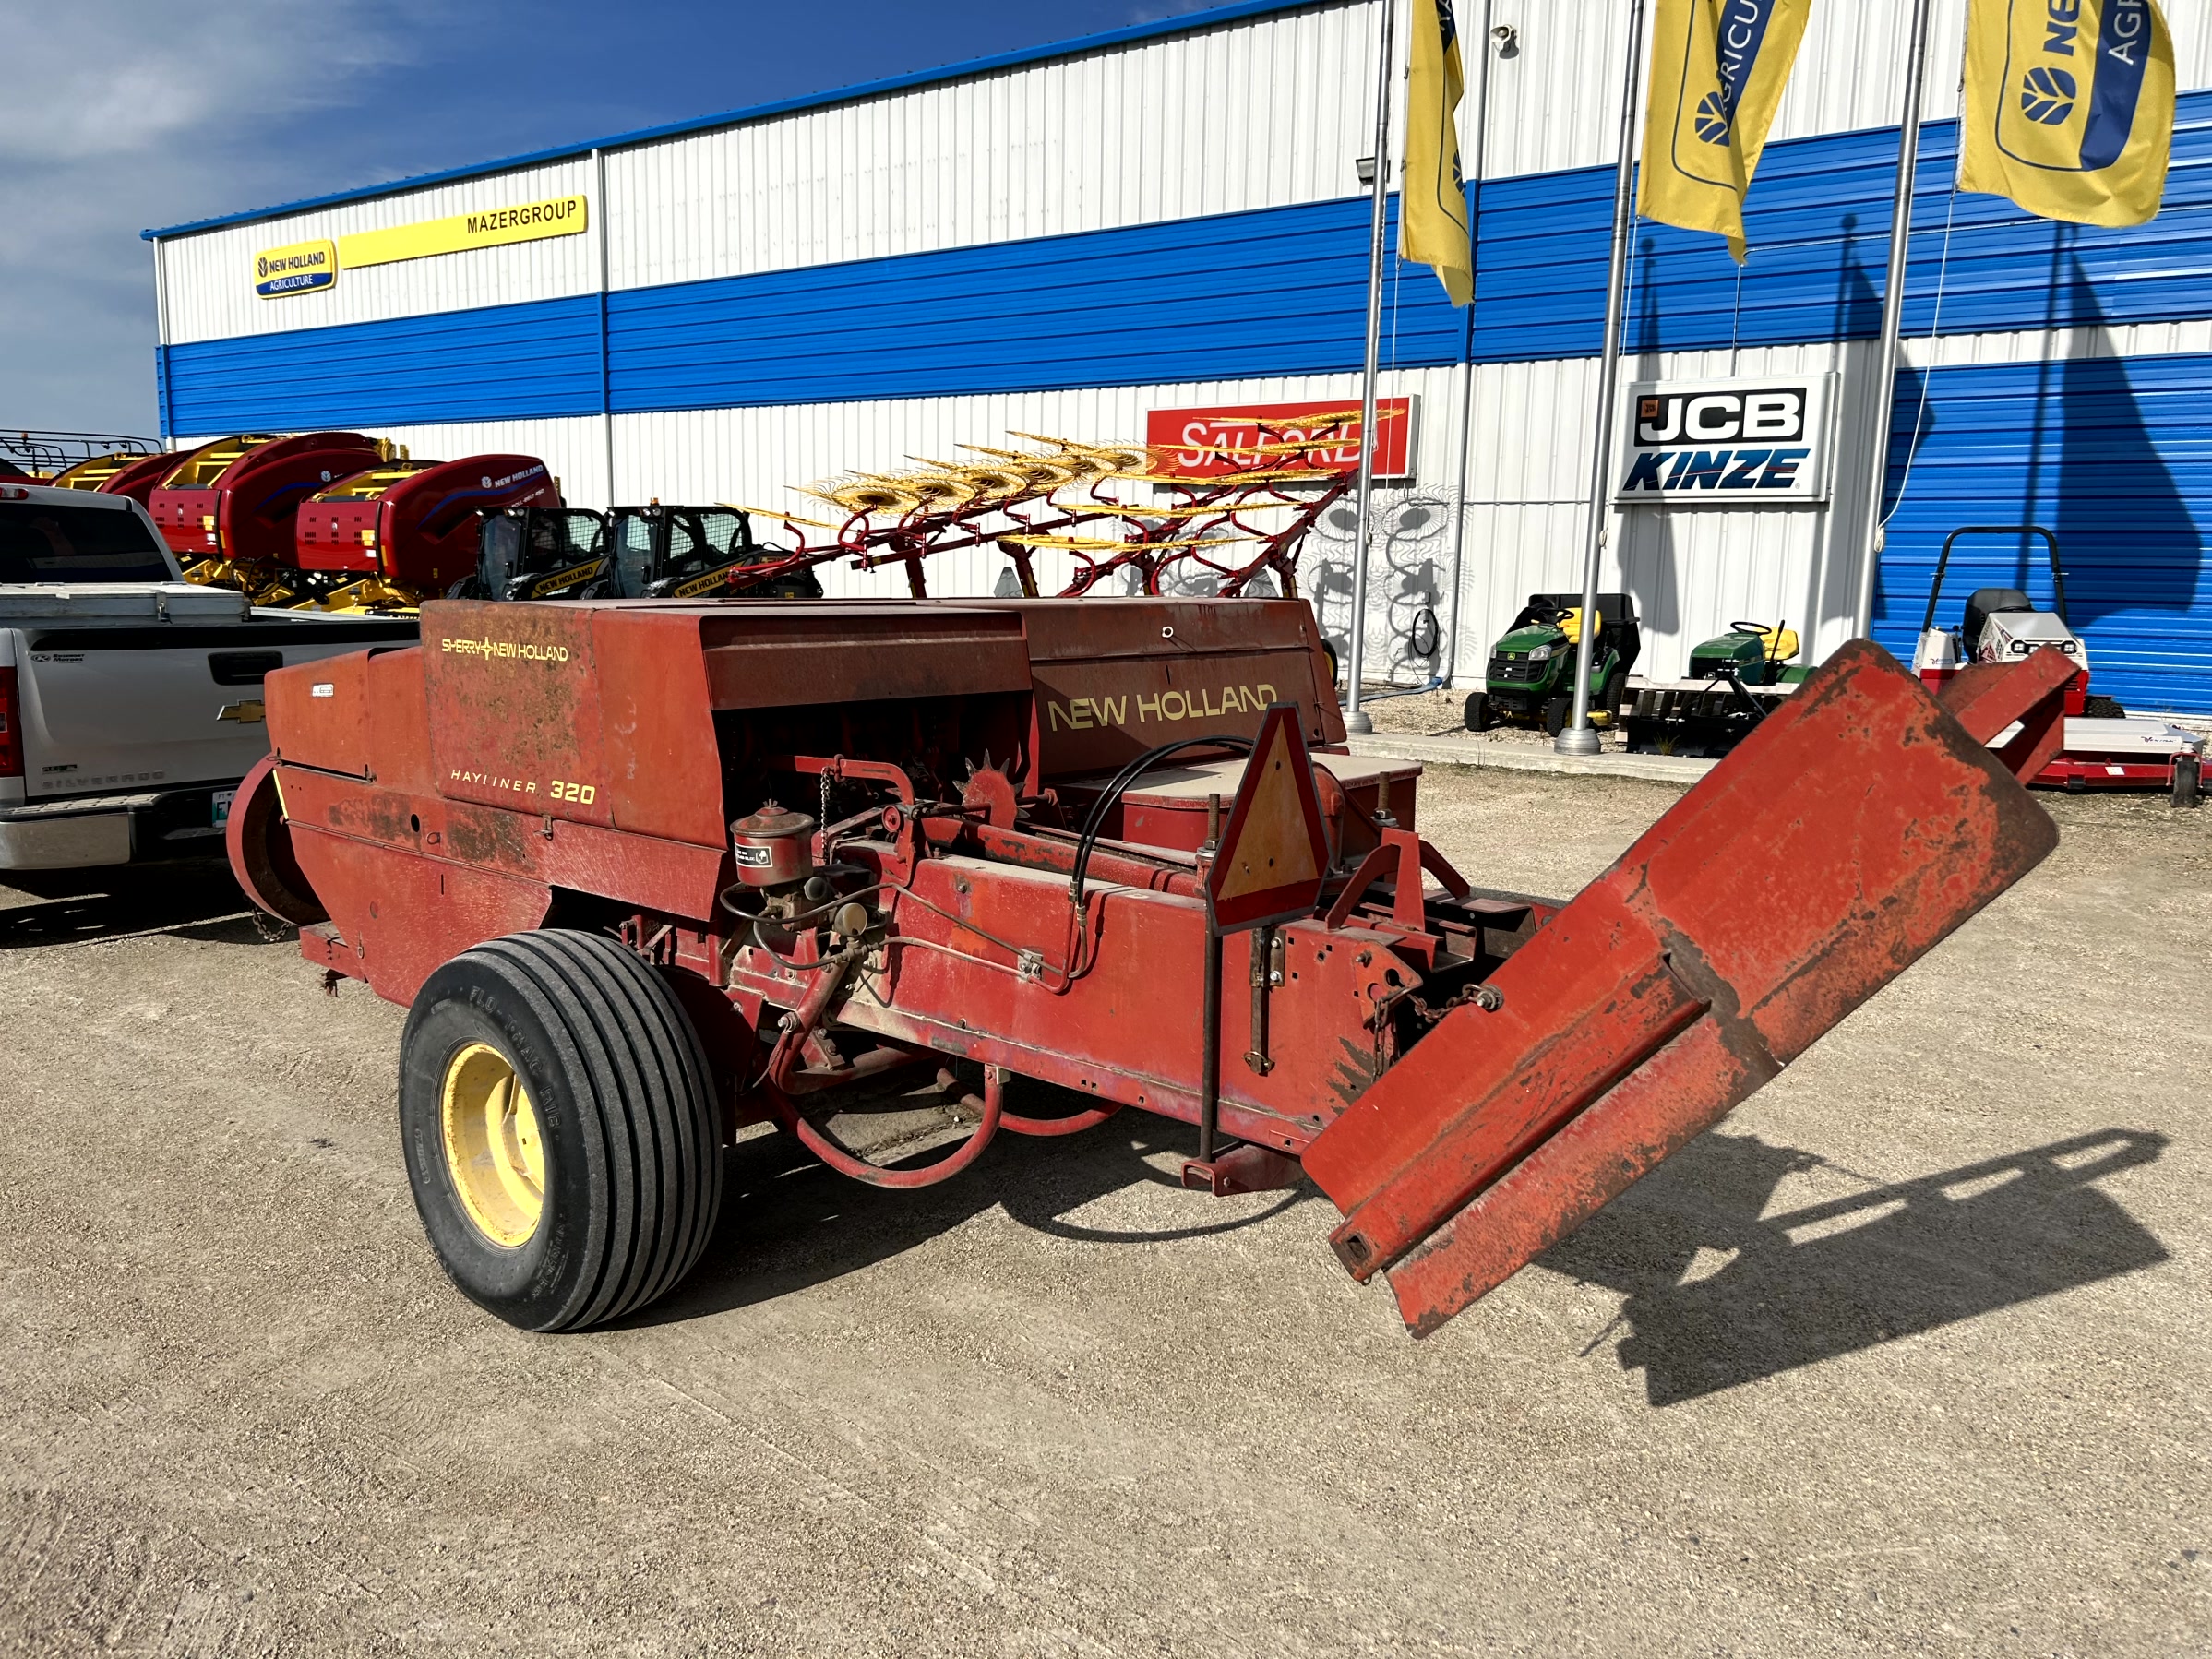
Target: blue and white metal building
[[1057, 241]]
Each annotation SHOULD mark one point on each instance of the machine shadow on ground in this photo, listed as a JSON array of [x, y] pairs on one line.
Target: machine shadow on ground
[[788, 1223], [199, 900], [1720, 1293]]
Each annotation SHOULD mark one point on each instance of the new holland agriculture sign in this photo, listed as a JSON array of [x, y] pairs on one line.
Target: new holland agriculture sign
[[307, 266], [1724, 443]]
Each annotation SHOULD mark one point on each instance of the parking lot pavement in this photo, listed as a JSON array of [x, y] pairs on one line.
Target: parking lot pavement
[[1908, 1355]]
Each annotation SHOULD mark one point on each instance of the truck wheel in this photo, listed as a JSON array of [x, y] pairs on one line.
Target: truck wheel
[[560, 1128], [1478, 715]]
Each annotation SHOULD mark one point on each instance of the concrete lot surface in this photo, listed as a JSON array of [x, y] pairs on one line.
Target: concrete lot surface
[[1909, 1356]]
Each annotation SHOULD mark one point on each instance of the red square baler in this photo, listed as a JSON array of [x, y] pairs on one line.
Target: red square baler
[[647, 872]]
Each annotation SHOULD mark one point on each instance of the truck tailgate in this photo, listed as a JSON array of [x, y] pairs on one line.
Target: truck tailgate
[[133, 708]]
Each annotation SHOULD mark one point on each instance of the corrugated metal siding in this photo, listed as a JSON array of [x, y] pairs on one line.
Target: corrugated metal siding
[[1818, 228], [504, 363], [1693, 571], [211, 282], [1266, 113], [1556, 104], [1149, 303], [2115, 457], [1111, 307]]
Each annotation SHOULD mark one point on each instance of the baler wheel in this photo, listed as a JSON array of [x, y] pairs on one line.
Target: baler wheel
[[560, 1128]]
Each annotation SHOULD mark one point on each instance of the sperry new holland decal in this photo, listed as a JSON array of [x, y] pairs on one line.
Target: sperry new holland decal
[[1724, 443]]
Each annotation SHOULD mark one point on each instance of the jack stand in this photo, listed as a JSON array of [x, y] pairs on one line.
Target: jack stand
[[1242, 1168]]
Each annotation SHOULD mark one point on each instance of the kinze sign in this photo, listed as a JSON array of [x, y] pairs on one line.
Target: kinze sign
[[1715, 443], [1245, 439]]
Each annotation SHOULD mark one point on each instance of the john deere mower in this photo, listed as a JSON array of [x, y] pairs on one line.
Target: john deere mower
[[1736, 679], [1531, 675]]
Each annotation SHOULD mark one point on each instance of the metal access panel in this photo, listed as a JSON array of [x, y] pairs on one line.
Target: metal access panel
[[1117, 676]]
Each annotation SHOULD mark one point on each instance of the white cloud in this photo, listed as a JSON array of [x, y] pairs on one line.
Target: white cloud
[[140, 112]]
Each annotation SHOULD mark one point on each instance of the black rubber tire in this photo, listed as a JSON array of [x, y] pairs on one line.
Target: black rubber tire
[[626, 1111], [2103, 708], [1477, 715], [1557, 711], [1335, 666]]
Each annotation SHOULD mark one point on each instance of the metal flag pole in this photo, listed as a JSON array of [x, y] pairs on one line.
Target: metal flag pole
[[1578, 736], [1356, 718], [1884, 397]]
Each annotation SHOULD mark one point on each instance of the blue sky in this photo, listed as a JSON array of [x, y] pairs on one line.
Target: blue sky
[[138, 113]]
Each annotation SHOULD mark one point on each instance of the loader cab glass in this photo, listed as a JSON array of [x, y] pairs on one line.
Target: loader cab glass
[[522, 549], [45, 543], [658, 548]]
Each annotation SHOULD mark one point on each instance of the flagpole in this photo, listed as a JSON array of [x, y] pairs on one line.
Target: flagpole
[[1356, 718], [1893, 318], [1578, 736]]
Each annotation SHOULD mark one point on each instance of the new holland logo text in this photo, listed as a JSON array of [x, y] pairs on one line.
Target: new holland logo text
[[1083, 713], [518, 650], [300, 269]]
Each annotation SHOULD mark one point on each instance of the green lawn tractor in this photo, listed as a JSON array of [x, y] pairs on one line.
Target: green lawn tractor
[[1751, 653], [1736, 679], [1531, 674]]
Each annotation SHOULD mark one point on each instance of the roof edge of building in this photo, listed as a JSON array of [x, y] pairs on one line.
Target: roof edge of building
[[1189, 23]]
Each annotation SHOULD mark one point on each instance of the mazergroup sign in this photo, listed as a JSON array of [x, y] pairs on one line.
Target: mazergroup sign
[[1724, 443]]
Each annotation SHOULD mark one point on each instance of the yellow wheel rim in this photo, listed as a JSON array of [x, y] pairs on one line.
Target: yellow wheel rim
[[492, 1148]]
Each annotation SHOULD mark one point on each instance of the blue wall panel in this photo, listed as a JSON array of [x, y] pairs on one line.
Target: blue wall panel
[[1278, 292], [2115, 457], [500, 362], [1819, 230]]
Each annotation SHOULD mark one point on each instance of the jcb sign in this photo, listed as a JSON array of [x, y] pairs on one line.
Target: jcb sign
[[1711, 443]]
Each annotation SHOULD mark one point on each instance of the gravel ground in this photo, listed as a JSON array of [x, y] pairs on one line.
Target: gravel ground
[[1060, 1407]]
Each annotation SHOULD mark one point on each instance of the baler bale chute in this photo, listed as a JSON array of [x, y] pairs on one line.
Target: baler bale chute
[[650, 872]]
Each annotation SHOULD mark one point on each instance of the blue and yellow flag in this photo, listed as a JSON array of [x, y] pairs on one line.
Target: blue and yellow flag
[[2069, 107], [1718, 71], [1432, 227]]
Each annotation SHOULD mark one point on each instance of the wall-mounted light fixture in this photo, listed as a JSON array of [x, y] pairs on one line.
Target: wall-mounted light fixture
[[1507, 39]]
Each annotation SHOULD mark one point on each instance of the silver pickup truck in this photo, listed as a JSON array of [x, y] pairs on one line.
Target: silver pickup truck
[[130, 699]]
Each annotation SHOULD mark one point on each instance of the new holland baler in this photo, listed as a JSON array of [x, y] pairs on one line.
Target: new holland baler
[[396, 532], [649, 872]]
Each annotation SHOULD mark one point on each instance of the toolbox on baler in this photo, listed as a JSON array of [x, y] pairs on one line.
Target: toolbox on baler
[[647, 872]]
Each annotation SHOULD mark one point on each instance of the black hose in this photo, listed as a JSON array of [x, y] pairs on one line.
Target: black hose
[[1127, 775]]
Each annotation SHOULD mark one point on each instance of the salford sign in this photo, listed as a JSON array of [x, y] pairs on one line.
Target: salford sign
[[1210, 443], [1724, 443]]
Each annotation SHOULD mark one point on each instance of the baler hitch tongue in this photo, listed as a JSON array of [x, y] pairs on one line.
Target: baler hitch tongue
[[1841, 841]]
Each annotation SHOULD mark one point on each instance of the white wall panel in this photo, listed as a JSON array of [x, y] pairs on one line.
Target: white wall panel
[[210, 275], [1257, 113], [1693, 569], [574, 448], [762, 457]]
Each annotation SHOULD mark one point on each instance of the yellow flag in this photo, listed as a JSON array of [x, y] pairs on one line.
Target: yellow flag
[[1432, 228], [1718, 71], [2069, 107]]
